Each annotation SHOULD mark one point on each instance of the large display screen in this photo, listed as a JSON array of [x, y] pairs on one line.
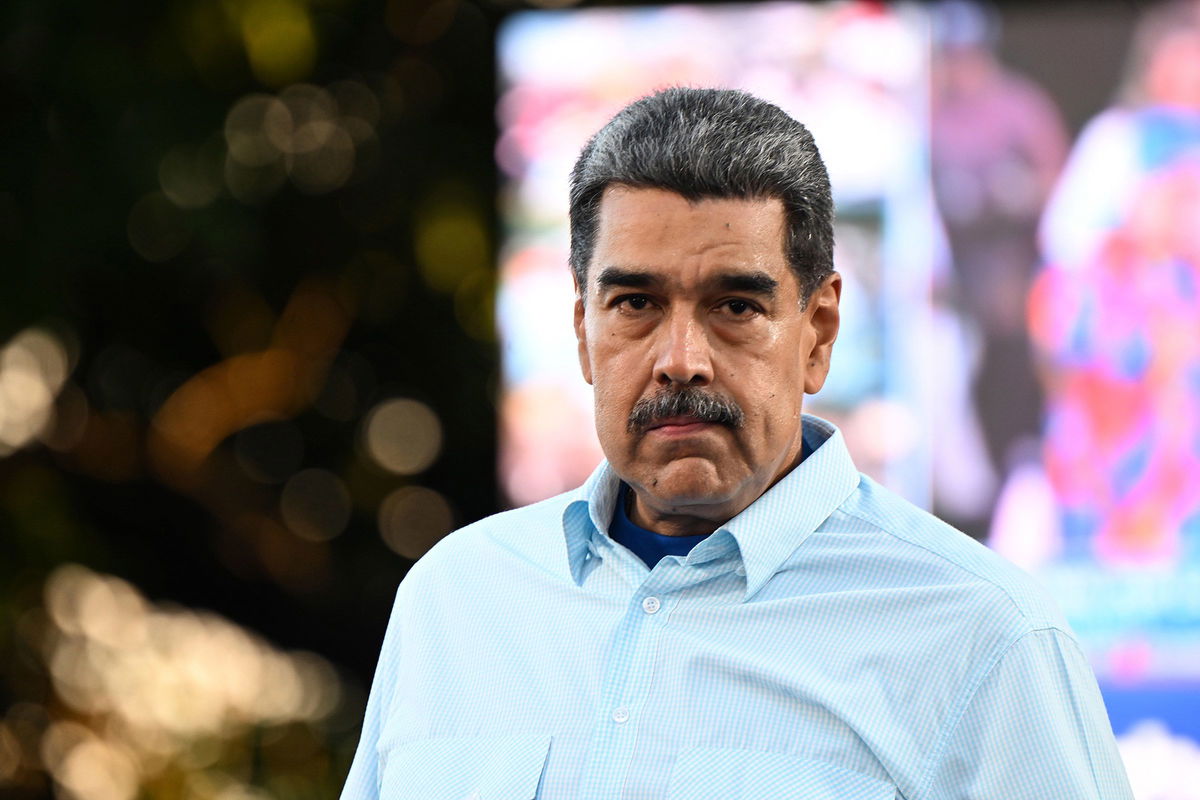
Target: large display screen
[[1020, 344]]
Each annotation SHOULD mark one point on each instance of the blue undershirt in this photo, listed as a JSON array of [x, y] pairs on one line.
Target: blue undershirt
[[649, 546]]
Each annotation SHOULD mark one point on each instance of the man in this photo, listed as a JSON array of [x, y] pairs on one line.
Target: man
[[727, 608]]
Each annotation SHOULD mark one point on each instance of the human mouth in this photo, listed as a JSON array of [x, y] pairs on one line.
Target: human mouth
[[683, 411], [679, 426]]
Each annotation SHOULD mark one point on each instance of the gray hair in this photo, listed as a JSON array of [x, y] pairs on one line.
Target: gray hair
[[709, 143]]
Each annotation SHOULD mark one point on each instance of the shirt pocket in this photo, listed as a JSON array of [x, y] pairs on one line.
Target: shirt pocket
[[479, 768], [714, 773]]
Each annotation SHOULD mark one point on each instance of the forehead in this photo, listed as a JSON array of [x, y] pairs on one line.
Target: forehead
[[661, 230]]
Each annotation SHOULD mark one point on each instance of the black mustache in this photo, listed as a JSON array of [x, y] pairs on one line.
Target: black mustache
[[686, 402]]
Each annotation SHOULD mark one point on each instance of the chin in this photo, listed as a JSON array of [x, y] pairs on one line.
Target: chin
[[687, 482]]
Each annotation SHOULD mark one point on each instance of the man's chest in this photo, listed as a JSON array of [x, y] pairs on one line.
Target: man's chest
[[654, 693]]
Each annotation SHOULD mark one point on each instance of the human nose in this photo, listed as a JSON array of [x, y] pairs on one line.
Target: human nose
[[684, 356]]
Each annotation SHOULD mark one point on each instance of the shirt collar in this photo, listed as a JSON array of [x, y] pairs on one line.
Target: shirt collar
[[589, 510], [767, 531]]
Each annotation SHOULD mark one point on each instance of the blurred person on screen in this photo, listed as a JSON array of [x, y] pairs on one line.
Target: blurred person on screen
[[727, 608], [1116, 314], [997, 143], [1155, 122]]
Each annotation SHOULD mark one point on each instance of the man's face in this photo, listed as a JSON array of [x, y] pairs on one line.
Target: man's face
[[699, 298]]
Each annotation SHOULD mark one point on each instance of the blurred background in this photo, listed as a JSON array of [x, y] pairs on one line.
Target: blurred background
[[285, 300]]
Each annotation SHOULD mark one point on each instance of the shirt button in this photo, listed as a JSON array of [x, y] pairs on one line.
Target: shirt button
[[740, 570], [651, 605], [620, 715]]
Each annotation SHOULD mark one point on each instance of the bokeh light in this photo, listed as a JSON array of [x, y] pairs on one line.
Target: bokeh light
[[191, 177], [315, 505], [324, 159], [10, 753], [158, 230], [279, 39], [251, 388], [88, 767], [356, 103], [165, 676], [306, 133], [248, 127], [212, 227], [402, 435], [34, 365], [451, 241], [412, 519], [151, 700]]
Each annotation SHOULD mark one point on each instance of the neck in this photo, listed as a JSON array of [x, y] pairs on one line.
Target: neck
[[671, 523]]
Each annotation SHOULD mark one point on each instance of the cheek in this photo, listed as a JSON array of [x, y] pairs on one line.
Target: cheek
[[772, 400], [773, 418], [616, 374], [613, 401]]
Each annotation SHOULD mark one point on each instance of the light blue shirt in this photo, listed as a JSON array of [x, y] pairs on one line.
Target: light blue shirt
[[830, 642]]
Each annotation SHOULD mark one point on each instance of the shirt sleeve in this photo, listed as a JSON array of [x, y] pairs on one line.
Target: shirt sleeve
[[1035, 727], [363, 781]]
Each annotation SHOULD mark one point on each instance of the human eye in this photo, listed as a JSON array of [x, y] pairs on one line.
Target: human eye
[[631, 302], [739, 308]]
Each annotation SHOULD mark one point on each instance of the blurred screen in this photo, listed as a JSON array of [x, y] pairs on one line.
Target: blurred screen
[[855, 74], [1020, 344]]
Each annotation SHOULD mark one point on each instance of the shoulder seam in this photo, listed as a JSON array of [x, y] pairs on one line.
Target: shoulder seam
[[960, 709], [1038, 625]]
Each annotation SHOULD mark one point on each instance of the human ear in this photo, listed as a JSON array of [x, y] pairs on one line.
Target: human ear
[[824, 318], [585, 362]]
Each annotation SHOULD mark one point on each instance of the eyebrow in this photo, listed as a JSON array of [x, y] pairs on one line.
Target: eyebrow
[[749, 282], [756, 282], [630, 278]]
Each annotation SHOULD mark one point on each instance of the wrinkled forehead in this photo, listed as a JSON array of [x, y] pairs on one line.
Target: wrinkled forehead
[[652, 227], [658, 239]]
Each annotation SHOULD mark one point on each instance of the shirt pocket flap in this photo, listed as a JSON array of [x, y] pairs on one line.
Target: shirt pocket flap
[[712, 773], [483, 768]]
